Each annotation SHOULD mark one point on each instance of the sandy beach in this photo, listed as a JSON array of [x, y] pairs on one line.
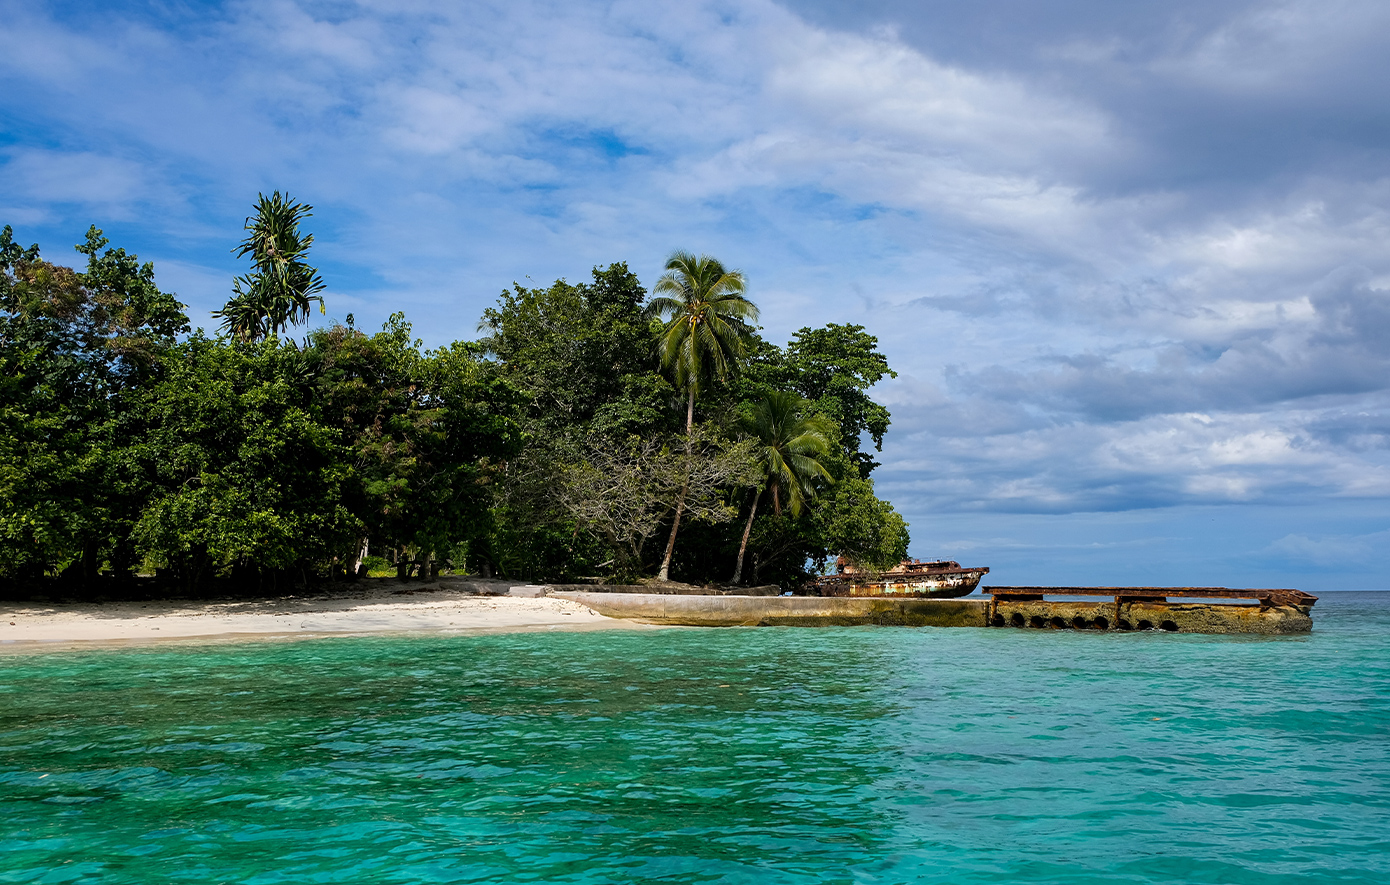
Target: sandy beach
[[374, 607]]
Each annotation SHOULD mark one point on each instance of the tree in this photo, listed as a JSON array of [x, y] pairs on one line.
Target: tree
[[846, 519], [624, 493], [788, 442], [703, 339], [370, 390], [277, 292], [580, 356], [246, 476], [472, 438], [552, 444], [73, 347], [855, 523], [833, 367], [424, 433]]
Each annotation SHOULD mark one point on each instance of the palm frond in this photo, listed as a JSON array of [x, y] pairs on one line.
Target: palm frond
[[281, 286], [790, 443], [661, 306]]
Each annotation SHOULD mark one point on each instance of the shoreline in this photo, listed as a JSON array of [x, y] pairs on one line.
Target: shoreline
[[382, 608]]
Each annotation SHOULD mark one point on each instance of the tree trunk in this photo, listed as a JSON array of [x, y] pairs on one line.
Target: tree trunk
[[665, 573], [743, 545], [357, 558]]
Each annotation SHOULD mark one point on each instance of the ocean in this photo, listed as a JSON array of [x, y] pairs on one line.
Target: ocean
[[774, 755]]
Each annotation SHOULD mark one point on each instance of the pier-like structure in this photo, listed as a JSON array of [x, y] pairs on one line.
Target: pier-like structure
[[1173, 609], [1121, 609]]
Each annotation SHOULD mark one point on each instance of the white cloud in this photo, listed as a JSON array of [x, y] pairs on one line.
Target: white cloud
[[883, 91], [1092, 307], [90, 179], [1282, 48], [435, 122]]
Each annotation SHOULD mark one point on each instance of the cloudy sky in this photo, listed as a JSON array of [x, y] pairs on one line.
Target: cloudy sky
[[1131, 260]]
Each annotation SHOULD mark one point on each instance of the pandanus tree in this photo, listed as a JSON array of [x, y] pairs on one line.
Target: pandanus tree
[[277, 292], [708, 324], [789, 442]]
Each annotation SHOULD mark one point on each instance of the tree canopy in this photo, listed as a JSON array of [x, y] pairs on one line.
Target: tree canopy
[[586, 421]]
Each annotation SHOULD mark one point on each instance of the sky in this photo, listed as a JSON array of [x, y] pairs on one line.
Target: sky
[[1129, 260]]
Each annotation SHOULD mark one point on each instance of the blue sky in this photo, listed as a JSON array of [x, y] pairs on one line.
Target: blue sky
[[1130, 259]]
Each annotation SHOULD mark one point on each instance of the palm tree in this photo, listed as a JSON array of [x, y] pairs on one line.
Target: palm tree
[[281, 286], [704, 337], [790, 441]]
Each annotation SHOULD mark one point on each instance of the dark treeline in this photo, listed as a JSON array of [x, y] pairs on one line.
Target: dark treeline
[[591, 430]]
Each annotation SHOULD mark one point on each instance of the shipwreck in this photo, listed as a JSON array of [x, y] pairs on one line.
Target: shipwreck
[[934, 579]]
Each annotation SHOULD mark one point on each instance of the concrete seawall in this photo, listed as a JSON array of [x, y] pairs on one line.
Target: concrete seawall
[[782, 611], [815, 611]]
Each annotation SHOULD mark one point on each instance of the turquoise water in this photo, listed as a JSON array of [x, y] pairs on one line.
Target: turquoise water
[[872, 755]]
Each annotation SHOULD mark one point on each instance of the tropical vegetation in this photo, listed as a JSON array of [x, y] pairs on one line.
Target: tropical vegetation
[[591, 431], [276, 294]]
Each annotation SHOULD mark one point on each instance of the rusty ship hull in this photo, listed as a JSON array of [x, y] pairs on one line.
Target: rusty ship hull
[[923, 580]]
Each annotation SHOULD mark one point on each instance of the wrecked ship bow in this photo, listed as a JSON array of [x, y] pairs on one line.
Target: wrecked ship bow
[[911, 578]]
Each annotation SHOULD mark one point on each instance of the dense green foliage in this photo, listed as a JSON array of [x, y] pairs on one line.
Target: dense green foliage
[[563, 443], [580, 357], [74, 347]]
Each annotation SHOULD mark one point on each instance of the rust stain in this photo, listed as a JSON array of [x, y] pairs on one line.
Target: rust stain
[[941, 578]]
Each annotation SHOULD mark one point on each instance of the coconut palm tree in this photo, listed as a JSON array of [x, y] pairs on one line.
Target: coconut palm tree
[[281, 286], [790, 443], [707, 327]]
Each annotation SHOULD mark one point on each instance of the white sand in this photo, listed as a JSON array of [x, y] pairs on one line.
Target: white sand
[[383, 606]]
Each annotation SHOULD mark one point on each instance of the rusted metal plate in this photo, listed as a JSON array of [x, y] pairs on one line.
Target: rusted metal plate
[[1270, 596]]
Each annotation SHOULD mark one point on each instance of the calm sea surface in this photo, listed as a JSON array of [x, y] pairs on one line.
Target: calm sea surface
[[743, 755]]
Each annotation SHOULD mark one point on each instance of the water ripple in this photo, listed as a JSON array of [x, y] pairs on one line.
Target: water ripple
[[777, 756]]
